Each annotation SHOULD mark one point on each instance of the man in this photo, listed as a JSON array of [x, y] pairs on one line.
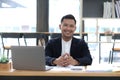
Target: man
[[67, 50]]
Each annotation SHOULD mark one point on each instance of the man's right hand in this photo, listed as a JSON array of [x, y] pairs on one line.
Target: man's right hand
[[62, 60]]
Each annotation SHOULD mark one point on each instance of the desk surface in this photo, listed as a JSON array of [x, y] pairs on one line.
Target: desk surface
[[56, 73]]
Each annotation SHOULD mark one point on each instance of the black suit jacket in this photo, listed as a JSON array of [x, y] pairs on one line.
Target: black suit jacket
[[79, 51]]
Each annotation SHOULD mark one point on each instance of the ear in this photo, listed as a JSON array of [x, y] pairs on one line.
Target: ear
[[75, 28], [60, 26]]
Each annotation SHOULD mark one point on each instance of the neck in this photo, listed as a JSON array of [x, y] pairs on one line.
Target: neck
[[66, 39]]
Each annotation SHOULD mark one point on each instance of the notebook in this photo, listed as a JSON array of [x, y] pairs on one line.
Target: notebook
[[28, 58]]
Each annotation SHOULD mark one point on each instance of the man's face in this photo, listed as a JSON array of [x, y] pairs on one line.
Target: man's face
[[67, 28]]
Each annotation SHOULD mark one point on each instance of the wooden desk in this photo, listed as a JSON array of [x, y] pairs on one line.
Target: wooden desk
[[57, 75]]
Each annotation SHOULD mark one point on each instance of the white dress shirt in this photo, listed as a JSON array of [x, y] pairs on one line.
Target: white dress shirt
[[66, 45]]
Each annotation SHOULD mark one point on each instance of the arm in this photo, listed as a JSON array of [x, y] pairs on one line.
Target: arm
[[48, 54], [52, 51], [80, 52], [86, 58]]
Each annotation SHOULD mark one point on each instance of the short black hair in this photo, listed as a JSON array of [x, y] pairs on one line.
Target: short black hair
[[69, 16]]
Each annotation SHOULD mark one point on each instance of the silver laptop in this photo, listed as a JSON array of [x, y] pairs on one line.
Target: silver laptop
[[28, 58]]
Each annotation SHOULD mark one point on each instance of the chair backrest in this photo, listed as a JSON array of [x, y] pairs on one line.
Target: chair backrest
[[10, 35], [115, 37], [55, 35], [37, 36]]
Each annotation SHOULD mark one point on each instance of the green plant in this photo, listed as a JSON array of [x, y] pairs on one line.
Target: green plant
[[4, 59]]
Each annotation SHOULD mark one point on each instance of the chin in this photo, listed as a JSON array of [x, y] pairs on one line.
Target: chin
[[68, 36]]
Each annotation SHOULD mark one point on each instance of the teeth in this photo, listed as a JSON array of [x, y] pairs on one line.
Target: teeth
[[67, 32]]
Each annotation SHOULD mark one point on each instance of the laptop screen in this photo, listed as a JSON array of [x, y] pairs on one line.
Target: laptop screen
[[28, 57]]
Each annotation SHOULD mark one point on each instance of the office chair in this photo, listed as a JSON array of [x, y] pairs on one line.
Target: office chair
[[115, 48], [38, 37], [54, 35], [8, 41]]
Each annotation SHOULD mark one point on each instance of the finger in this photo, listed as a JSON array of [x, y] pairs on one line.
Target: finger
[[65, 64]]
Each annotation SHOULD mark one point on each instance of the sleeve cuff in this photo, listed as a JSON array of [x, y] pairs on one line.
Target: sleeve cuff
[[52, 62]]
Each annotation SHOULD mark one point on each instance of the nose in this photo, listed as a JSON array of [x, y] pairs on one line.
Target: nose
[[68, 27]]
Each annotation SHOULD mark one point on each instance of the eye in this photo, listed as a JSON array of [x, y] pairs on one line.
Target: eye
[[65, 25], [68, 25], [71, 26]]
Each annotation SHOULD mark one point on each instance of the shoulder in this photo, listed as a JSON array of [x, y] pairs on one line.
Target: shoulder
[[78, 41], [55, 40]]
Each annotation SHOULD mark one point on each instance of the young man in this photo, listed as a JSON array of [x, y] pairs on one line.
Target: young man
[[67, 50]]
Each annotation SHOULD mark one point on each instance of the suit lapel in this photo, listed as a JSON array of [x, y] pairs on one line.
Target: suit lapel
[[72, 46], [59, 46]]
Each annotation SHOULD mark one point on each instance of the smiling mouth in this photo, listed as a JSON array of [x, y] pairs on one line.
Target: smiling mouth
[[68, 32]]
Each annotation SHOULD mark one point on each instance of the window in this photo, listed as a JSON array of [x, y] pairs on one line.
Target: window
[[59, 8], [18, 16]]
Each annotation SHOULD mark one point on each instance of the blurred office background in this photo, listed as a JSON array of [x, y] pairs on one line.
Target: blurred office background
[[30, 16]]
